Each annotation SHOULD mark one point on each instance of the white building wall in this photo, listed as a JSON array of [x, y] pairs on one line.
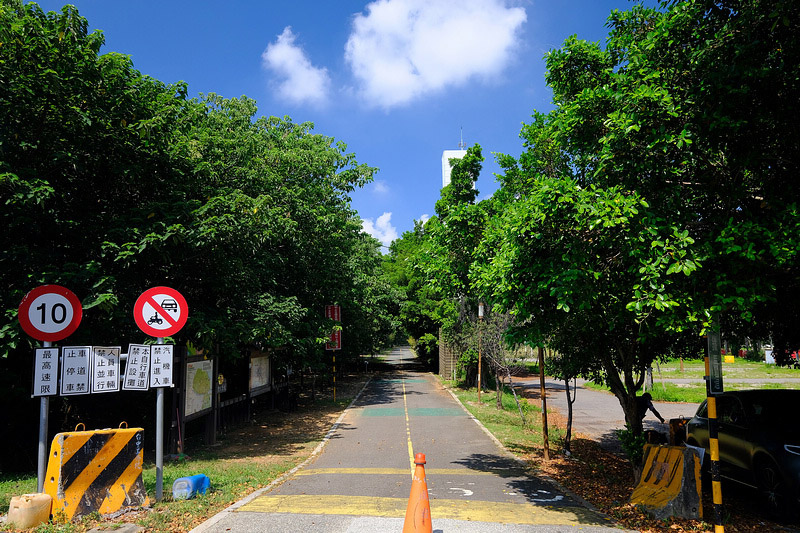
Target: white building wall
[[446, 156]]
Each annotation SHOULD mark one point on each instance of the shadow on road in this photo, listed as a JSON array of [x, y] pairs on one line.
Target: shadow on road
[[518, 479]]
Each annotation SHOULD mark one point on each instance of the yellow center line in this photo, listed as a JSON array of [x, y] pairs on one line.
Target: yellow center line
[[396, 471], [408, 424]]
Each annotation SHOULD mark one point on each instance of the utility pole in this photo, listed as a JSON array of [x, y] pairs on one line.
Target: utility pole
[[714, 387]]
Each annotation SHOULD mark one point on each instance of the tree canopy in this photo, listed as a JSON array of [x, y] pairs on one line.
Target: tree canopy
[[113, 182], [660, 189]]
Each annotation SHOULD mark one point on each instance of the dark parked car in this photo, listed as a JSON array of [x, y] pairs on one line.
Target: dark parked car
[[759, 442]]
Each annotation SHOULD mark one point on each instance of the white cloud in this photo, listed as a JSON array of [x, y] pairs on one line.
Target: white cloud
[[380, 187], [402, 49], [381, 229], [424, 218], [301, 82]]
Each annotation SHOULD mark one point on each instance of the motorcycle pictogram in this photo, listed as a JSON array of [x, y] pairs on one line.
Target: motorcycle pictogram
[[155, 319]]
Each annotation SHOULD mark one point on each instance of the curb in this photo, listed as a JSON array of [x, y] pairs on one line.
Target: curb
[[247, 499]]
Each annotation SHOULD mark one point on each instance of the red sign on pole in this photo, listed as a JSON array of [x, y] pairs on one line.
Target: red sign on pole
[[334, 312], [160, 311], [50, 313]]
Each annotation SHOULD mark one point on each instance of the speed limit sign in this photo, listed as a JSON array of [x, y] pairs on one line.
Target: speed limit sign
[[50, 313]]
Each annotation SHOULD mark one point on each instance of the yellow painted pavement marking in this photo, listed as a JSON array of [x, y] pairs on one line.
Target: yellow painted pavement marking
[[408, 425], [392, 471], [479, 511]]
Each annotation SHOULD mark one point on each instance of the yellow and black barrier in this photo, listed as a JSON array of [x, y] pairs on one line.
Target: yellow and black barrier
[[98, 470], [670, 482]]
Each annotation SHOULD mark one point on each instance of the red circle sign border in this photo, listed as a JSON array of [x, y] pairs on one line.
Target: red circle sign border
[[30, 329], [167, 332]]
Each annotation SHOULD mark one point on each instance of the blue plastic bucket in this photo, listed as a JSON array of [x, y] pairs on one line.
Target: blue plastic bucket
[[185, 488]]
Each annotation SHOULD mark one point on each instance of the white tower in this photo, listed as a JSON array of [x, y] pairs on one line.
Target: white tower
[[449, 154]]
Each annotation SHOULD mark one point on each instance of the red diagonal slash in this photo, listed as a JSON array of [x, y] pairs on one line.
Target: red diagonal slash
[[160, 311]]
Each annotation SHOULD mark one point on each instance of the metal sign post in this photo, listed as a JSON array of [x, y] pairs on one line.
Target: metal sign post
[[159, 437], [159, 312], [44, 418], [48, 313]]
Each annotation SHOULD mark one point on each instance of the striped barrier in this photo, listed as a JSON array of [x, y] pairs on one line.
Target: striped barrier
[[670, 482], [98, 470]]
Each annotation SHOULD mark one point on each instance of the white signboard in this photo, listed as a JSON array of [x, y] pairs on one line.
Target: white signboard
[[45, 372], [137, 371], [161, 365], [198, 386], [259, 372], [75, 370], [105, 368]]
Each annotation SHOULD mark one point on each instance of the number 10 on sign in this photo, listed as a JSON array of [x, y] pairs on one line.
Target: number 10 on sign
[[50, 313]]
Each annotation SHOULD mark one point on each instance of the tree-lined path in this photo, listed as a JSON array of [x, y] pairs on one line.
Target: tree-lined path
[[362, 478]]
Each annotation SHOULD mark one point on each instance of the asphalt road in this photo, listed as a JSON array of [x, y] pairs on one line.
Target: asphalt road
[[598, 414], [361, 478]]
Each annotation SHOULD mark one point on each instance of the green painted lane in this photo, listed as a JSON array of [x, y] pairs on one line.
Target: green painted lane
[[400, 380], [412, 412]]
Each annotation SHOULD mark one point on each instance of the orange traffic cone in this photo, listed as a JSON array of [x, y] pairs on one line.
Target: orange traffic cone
[[418, 513]]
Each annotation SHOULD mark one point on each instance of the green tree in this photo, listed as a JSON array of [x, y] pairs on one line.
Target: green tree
[[661, 188], [459, 227], [112, 182], [421, 303], [590, 265]]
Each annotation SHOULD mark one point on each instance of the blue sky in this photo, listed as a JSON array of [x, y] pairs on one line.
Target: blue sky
[[397, 80]]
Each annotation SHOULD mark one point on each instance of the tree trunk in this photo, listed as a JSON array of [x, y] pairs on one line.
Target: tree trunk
[[498, 381], [519, 407], [543, 394], [570, 401]]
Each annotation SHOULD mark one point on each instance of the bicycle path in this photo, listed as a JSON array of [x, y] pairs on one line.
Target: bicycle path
[[361, 479]]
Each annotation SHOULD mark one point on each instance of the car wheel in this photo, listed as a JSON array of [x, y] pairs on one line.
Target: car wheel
[[772, 487]]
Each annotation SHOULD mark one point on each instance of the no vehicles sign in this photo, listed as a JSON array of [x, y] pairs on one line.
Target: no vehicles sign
[[160, 311]]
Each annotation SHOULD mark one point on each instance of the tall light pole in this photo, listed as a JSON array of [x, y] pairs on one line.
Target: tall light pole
[[480, 321]]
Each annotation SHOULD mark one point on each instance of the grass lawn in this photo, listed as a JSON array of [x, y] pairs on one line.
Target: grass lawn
[[506, 424], [739, 369], [665, 389]]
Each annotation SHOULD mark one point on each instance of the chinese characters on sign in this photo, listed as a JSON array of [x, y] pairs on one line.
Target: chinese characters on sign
[[75, 370], [334, 312], [137, 371], [161, 365], [97, 369], [45, 372], [105, 368]]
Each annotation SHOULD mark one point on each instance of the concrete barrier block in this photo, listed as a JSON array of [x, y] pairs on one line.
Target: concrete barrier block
[[98, 470], [670, 483]]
